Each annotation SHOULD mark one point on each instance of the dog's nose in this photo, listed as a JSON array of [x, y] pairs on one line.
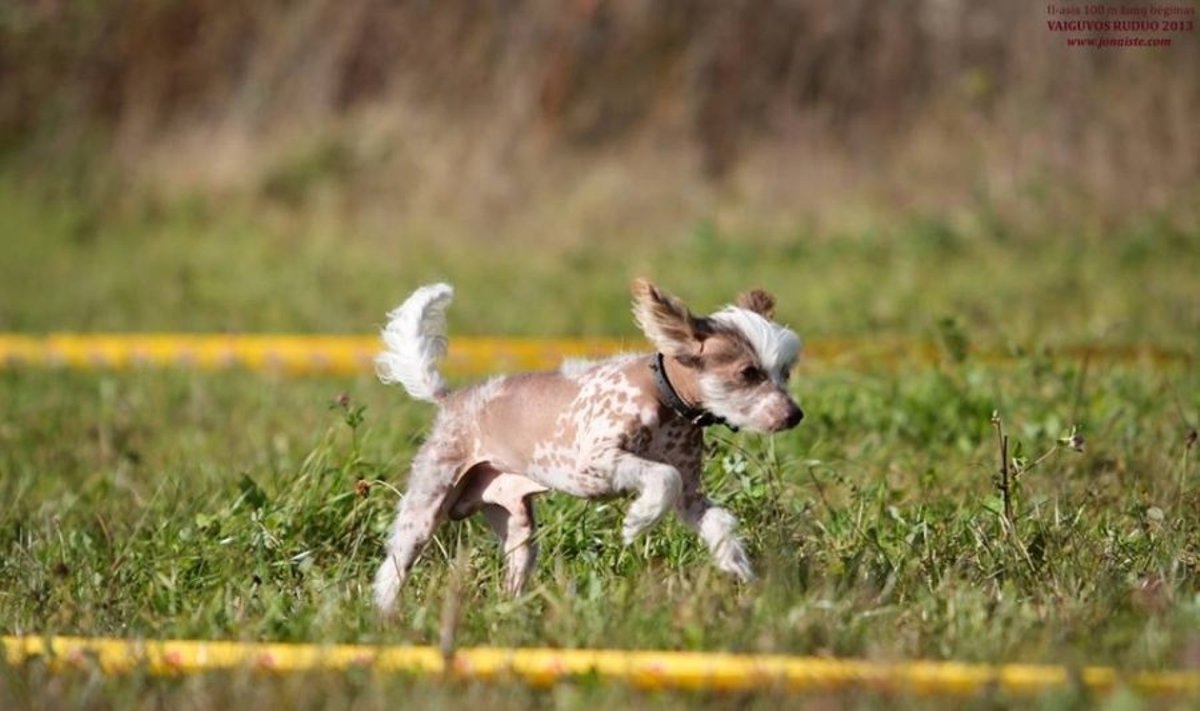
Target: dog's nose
[[795, 414]]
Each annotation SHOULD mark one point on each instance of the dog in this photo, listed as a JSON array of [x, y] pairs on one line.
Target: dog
[[632, 423]]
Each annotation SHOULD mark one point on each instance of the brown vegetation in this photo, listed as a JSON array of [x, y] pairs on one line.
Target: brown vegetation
[[626, 114]]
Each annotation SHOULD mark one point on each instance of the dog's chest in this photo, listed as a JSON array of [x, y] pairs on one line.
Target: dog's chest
[[677, 443]]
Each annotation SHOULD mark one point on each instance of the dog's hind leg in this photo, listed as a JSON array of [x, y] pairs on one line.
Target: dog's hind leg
[[516, 533], [417, 515], [509, 511]]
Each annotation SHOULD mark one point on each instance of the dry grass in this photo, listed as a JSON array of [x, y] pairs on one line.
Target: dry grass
[[573, 122]]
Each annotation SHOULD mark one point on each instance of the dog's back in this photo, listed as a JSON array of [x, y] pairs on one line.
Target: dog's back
[[556, 427]]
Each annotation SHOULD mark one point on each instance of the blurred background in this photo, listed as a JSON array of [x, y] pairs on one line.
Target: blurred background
[[207, 164], [946, 178]]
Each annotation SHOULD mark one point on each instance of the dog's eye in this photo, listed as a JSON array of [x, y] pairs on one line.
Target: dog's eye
[[752, 374]]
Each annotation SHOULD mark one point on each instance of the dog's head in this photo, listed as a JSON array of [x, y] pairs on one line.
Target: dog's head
[[739, 357]]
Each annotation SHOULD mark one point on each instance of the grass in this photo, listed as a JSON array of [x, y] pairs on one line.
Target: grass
[[176, 504], [229, 265]]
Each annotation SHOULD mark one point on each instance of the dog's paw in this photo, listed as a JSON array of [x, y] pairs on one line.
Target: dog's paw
[[635, 525], [732, 559]]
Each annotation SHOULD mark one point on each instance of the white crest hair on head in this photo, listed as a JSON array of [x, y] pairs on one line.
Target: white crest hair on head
[[415, 337], [777, 346]]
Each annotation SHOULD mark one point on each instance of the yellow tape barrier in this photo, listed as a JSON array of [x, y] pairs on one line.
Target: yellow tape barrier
[[697, 671], [340, 355], [294, 354]]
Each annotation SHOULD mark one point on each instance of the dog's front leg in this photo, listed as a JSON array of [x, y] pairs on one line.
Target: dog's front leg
[[658, 486], [716, 526]]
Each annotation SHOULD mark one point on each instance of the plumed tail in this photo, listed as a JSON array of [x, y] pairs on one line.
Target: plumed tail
[[415, 338]]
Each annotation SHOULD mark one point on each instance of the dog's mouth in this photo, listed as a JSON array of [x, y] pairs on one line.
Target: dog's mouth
[[772, 427]]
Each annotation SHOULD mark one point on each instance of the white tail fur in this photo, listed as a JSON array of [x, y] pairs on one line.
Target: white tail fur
[[415, 337]]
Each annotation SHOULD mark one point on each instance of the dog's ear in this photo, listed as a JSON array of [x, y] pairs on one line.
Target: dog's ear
[[667, 322], [758, 301]]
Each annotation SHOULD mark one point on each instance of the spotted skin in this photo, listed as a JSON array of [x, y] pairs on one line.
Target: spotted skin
[[592, 430]]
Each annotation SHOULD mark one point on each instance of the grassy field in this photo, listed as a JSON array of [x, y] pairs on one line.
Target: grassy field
[[167, 503]]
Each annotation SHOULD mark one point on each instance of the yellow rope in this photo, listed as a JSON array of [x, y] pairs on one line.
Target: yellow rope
[[326, 354], [285, 353], [698, 671]]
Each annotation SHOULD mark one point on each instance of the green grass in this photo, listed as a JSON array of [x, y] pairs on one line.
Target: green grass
[[175, 504], [232, 265]]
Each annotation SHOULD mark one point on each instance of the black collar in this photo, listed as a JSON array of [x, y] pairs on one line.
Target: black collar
[[698, 416]]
